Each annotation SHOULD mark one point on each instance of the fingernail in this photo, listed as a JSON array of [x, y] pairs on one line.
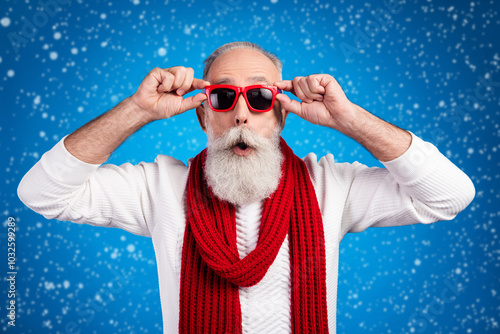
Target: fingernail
[[180, 91]]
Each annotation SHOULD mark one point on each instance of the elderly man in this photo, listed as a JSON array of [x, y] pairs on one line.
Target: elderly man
[[247, 235]]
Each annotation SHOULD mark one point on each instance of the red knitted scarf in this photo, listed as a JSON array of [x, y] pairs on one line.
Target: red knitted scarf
[[212, 271]]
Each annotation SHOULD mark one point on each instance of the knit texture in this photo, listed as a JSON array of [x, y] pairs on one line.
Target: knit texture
[[212, 270]]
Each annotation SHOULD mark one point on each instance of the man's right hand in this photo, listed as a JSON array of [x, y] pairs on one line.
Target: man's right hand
[[160, 94]]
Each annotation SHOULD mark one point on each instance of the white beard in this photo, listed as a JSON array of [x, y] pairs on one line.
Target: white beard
[[243, 179]]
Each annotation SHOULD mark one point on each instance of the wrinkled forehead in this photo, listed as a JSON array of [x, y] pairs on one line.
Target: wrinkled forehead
[[243, 67], [230, 80]]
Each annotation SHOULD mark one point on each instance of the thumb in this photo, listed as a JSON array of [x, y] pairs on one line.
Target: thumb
[[192, 102], [290, 105]]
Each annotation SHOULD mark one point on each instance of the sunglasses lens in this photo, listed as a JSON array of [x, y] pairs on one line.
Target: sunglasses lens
[[260, 98], [222, 98]]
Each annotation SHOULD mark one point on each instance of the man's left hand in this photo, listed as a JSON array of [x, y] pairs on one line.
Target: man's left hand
[[323, 101]]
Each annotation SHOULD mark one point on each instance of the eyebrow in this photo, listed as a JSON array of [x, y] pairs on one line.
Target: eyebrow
[[251, 79]]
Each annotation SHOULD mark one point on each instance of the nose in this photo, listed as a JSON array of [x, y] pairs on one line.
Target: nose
[[241, 112]]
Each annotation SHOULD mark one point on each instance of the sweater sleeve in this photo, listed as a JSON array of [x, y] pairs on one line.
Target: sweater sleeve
[[420, 186], [62, 187]]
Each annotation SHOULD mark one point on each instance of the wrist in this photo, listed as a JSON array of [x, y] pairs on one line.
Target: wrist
[[353, 121], [384, 140], [136, 113]]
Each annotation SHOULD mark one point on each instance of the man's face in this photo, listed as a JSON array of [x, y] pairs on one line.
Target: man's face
[[241, 67]]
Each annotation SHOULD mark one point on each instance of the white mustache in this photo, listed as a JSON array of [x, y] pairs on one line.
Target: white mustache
[[236, 135]]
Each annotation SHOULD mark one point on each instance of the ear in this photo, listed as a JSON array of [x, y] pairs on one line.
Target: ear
[[284, 115], [281, 113], [200, 113]]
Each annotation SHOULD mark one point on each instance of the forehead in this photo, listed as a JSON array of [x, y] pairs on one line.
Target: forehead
[[243, 66]]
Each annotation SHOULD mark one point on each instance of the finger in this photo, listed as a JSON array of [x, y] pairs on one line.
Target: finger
[[290, 105], [333, 88], [304, 86], [165, 80], [285, 85], [199, 84], [299, 89], [313, 81], [315, 87], [153, 78], [192, 102], [179, 73], [188, 81]]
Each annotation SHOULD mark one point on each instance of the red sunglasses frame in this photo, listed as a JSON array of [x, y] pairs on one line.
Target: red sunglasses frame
[[275, 90]]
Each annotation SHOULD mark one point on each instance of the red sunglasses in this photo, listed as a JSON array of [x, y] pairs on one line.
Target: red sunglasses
[[259, 98]]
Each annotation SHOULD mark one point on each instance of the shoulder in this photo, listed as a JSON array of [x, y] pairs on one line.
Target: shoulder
[[327, 167], [164, 173], [161, 164], [168, 161], [164, 164]]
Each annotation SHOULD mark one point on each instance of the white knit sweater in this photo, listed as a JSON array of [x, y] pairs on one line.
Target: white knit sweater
[[148, 199]]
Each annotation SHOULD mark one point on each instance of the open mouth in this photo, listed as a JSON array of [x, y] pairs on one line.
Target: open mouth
[[242, 145], [242, 148]]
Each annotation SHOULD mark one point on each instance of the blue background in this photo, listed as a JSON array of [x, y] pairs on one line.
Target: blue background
[[431, 68]]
